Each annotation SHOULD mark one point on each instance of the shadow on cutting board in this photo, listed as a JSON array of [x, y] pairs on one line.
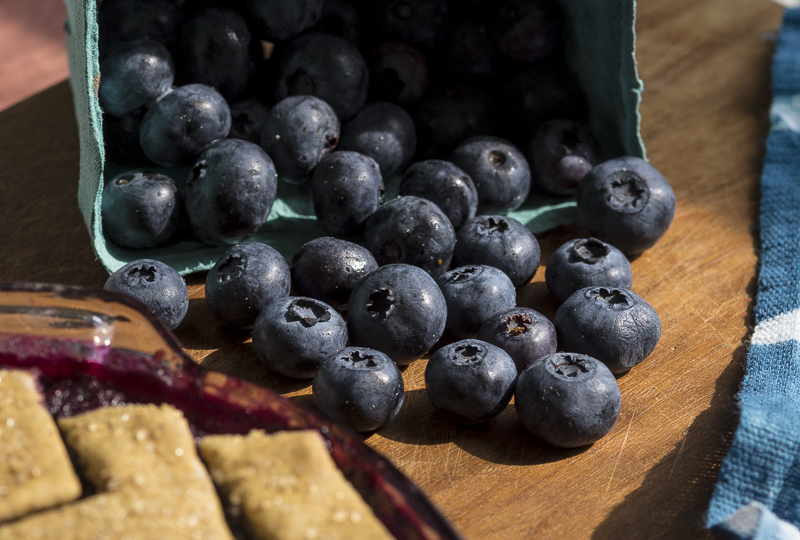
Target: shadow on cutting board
[[691, 480]]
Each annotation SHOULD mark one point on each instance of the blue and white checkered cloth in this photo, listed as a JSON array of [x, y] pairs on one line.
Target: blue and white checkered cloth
[[757, 495]]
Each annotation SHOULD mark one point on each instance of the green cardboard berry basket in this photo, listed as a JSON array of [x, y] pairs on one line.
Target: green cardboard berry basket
[[600, 49]]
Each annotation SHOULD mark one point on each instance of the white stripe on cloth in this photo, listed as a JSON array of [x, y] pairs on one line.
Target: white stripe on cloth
[[785, 113], [783, 327]]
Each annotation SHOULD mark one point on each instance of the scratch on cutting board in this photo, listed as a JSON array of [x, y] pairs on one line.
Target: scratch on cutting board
[[619, 454], [680, 450], [454, 474], [521, 457]]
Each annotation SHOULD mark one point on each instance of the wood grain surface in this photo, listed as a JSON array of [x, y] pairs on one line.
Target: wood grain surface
[[706, 72]]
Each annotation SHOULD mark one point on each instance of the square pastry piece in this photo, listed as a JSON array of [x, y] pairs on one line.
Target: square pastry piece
[[35, 470], [286, 486], [151, 483]]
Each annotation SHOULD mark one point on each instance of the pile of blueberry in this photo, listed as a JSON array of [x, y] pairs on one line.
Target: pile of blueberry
[[465, 105]]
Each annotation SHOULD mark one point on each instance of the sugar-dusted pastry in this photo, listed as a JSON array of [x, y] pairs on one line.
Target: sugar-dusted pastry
[[286, 486], [35, 470], [151, 483]]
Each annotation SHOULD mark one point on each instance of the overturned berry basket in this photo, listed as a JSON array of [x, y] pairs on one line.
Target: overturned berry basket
[[598, 48]]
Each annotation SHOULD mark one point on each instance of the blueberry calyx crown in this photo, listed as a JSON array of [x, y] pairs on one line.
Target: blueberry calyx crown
[[589, 251], [141, 273], [569, 366], [468, 354], [232, 267], [380, 303], [308, 312], [627, 192], [494, 226], [496, 159], [123, 179], [358, 360], [518, 324], [331, 140], [616, 299], [464, 274], [198, 172]]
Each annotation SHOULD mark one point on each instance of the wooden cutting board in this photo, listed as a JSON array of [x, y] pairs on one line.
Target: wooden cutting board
[[706, 71]]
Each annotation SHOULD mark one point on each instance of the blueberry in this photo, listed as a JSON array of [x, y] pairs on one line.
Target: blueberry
[[469, 51], [299, 131], [183, 123], [247, 120], [121, 21], [346, 189], [528, 30], [473, 293], [543, 91], [154, 284], [134, 75], [218, 50], [411, 230], [499, 241], [230, 192], [450, 114], [421, 23], [567, 400], [498, 169], [278, 20], [360, 387], [294, 334], [586, 262], [121, 140], [399, 310], [561, 153], [340, 18], [627, 203], [327, 67], [398, 72], [470, 381], [444, 184], [385, 132], [524, 333], [244, 281], [328, 268], [141, 209], [614, 325]]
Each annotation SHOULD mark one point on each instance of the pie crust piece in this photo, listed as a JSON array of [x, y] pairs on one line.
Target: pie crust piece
[[35, 469], [151, 483], [286, 486]]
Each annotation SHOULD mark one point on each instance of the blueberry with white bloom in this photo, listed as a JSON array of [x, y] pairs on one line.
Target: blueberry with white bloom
[[360, 387], [295, 334], [567, 400], [614, 325], [627, 203], [470, 381], [244, 281], [399, 310], [155, 284], [586, 262]]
